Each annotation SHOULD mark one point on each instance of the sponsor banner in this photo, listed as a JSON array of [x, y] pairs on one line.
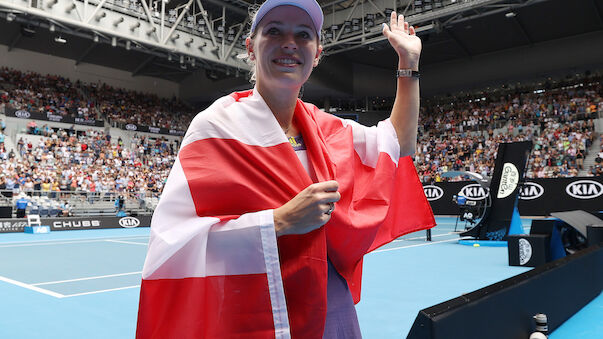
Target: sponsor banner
[[24, 114], [87, 223], [537, 197], [151, 129]]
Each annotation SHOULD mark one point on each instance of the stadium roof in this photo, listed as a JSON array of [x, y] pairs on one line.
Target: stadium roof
[[490, 27]]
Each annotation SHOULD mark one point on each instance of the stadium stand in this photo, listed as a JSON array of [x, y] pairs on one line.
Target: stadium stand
[[82, 170]]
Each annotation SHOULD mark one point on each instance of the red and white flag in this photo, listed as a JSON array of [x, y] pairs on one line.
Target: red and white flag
[[215, 268]]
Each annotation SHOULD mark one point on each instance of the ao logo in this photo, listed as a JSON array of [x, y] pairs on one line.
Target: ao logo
[[473, 192], [131, 127], [584, 189], [433, 192], [129, 222], [530, 191], [22, 114], [525, 251]]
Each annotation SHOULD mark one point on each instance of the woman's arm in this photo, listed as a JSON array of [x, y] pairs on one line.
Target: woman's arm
[[405, 112]]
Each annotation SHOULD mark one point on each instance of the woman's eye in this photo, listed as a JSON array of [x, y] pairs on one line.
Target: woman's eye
[[304, 35], [273, 31]]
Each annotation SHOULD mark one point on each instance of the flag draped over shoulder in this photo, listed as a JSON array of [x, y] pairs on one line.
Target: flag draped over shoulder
[[215, 268]]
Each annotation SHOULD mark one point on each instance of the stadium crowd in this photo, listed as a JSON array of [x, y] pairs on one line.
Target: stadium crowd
[[86, 162], [56, 95], [460, 134]]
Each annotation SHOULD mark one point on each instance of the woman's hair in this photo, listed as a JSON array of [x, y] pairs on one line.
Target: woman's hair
[[253, 11]]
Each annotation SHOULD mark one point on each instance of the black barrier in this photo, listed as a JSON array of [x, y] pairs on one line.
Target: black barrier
[[504, 310], [151, 129], [24, 114], [87, 223], [537, 196]]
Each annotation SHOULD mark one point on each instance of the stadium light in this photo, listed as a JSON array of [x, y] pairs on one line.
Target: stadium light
[[51, 3], [60, 39], [189, 42], [135, 26], [510, 14], [70, 8], [151, 31], [175, 37], [10, 17], [113, 41], [118, 21], [96, 38], [128, 45], [100, 16], [52, 28]]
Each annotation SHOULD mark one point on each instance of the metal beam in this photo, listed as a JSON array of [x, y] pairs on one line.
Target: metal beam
[[230, 7], [86, 52], [458, 42], [175, 25], [522, 29], [598, 11], [143, 65], [15, 40], [71, 24], [95, 10]]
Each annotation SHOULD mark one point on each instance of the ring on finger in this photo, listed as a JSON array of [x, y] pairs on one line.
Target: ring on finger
[[331, 208]]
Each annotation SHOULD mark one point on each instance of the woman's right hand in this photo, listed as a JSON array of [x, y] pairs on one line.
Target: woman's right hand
[[308, 210]]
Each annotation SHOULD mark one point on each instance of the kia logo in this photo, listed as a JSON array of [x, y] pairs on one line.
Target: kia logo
[[131, 127], [129, 222], [473, 192], [584, 189], [530, 191], [433, 192], [22, 114]]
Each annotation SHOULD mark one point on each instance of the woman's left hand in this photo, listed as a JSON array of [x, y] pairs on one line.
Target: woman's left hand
[[404, 40]]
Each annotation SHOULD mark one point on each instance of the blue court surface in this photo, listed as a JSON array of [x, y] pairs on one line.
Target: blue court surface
[[85, 284]]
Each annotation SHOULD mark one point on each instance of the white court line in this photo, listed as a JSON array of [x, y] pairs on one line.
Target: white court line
[[423, 237], [425, 244], [88, 278], [128, 242], [93, 238], [101, 291], [31, 287], [56, 242]]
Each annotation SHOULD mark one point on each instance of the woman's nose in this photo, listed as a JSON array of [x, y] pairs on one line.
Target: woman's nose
[[289, 42]]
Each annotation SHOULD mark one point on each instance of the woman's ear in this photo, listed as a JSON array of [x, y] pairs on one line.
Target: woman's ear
[[249, 47], [317, 56]]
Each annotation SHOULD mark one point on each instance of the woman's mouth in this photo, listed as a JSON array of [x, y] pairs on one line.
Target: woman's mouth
[[287, 62]]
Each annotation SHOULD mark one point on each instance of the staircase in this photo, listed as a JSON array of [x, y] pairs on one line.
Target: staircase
[[593, 152]]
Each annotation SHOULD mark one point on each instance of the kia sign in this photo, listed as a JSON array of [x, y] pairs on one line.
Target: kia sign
[[131, 127], [129, 222], [433, 192], [530, 191], [473, 192], [584, 189], [22, 114]]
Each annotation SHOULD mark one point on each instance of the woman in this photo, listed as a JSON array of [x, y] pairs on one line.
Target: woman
[[257, 237]]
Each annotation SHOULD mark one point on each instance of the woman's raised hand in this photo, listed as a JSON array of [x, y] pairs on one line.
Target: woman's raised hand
[[404, 40], [308, 210]]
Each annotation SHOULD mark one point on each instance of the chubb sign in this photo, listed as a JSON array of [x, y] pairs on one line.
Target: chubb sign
[[584, 189]]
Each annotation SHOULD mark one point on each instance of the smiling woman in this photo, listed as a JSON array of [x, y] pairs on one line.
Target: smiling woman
[[272, 204]]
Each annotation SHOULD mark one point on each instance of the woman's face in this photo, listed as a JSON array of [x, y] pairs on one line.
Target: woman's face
[[285, 48]]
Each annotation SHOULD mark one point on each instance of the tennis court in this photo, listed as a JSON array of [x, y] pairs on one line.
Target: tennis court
[[85, 284]]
